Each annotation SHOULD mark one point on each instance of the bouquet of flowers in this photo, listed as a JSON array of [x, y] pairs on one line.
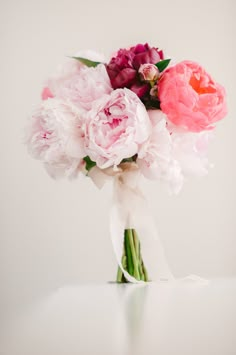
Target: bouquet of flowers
[[138, 114]]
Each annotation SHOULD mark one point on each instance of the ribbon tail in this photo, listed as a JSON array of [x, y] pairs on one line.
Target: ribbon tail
[[130, 210]]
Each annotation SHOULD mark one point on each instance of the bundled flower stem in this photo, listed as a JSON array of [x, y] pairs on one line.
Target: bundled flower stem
[[132, 260]]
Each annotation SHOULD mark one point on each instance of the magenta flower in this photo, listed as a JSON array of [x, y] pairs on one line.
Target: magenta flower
[[123, 68]]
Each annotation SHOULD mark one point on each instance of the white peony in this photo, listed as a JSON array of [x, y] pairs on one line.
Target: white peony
[[55, 137], [155, 158], [80, 85]]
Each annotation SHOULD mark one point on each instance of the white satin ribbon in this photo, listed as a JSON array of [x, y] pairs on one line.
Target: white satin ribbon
[[130, 210]]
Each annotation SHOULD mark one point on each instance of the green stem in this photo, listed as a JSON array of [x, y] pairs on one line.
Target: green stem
[[130, 265], [133, 253], [136, 243], [120, 276], [138, 253], [145, 273], [132, 260]]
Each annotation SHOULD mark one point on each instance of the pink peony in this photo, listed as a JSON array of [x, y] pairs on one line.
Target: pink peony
[[155, 158], [124, 66], [116, 128], [173, 157], [55, 137], [64, 73], [190, 151], [190, 98], [155, 153], [83, 86]]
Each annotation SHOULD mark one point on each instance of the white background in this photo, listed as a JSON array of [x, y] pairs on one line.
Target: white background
[[56, 233]]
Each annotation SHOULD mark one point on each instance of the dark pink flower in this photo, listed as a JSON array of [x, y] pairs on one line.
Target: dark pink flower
[[123, 68]]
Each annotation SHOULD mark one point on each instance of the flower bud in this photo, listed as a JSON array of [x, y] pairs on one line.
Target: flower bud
[[149, 72]]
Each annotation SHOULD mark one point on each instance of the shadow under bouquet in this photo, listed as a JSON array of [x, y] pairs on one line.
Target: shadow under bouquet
[[134, 115]]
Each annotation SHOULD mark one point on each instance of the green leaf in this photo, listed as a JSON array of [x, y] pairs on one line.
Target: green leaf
[[89, 163], [162, 64], [127, 160], [87, 62]]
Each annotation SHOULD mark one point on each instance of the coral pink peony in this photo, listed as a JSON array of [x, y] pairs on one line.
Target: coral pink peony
[[190, 98], [116, 127], [54, 136]]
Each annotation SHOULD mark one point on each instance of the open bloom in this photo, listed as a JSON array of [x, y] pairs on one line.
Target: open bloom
[[54, 136], [63, 74], [82, 86], [155, 158], [190, 151], [190, 98], [116, 127], [66, 72], [124, 66]]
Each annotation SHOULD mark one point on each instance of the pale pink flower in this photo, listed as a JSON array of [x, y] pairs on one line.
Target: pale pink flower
[[155, 158], [55, 137], [116, 128], [190, 98], [190, 151], [173, 157], [64, 73], [83, 87]]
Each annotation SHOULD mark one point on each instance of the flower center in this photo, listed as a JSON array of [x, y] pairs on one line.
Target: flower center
[[200, 86]]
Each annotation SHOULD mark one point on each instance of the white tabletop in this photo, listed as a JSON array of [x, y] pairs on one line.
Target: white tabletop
[[184, 318]]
